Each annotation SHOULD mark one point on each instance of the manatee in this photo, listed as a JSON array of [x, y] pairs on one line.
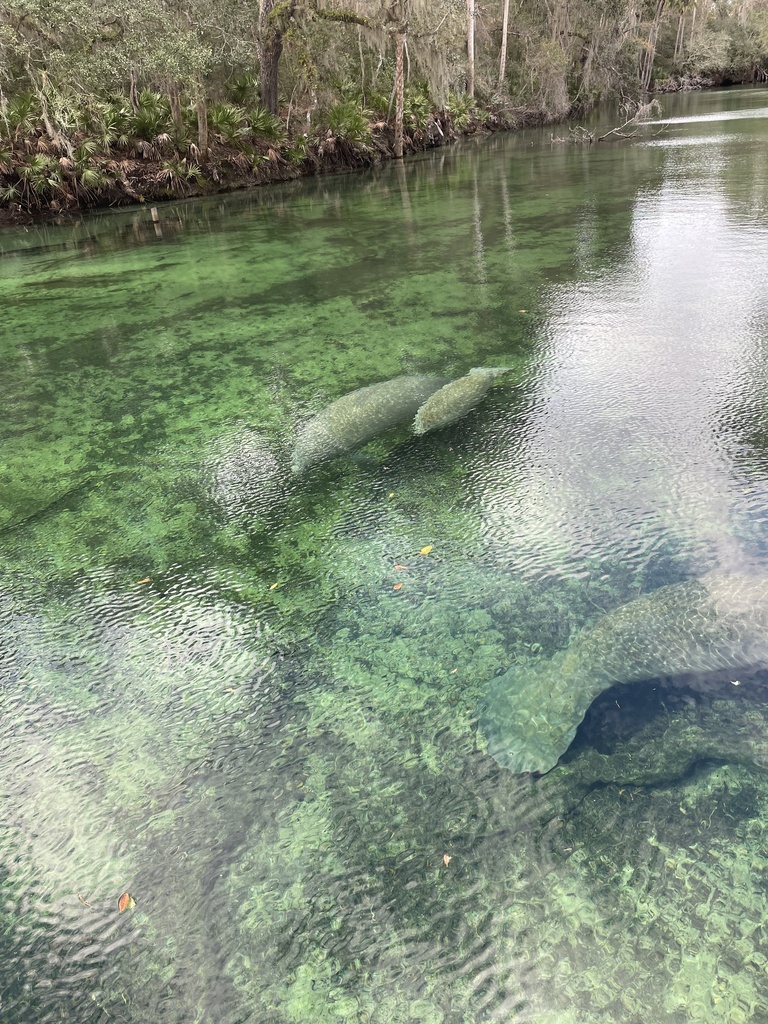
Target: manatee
[[357, 417], [529, 715], [456, 399]]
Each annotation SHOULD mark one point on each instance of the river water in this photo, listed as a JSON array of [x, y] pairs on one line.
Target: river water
[[249, 697]]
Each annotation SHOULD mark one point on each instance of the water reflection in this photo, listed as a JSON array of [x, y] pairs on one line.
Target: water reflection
[[626, 437]]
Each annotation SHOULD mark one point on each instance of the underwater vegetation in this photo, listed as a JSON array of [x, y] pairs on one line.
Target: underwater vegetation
[[562, 890], [290, 784], [246, 699]]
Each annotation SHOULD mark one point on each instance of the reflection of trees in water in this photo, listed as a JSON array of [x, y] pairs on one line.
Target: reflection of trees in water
[[643, 356]]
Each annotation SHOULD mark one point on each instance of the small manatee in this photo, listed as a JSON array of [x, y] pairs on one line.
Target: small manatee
[[456, 399], [357, 417]]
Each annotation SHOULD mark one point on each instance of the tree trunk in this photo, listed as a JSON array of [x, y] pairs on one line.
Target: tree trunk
[[503, 55], [202, 127], [271, 51], [680, 37], [471, 48], [646, 72], [271, 32], [40, 91], [175, 101], [134, 92], [399, 92]]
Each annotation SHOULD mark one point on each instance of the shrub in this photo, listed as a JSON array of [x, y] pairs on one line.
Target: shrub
[[462, 110], [22, 115], [152, 118], [417, 108], [265, 124], [40, 179], [244, 90], [228, 122], [350, 123], [177, 174]]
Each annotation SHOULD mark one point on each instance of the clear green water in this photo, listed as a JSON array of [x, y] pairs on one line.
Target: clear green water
[[272, 749]]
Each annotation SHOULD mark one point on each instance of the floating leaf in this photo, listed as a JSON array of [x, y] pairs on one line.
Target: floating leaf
[[398, 567], [126, 902], [274, 586], [447, 859], [398, 586], [522, 311], [391, 494], [426, 550], [147, 579]]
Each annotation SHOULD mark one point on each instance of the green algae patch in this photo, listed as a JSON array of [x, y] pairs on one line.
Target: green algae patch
[[695, 886], [250, 700]]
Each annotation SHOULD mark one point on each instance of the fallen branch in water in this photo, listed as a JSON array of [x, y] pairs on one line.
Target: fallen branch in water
[[577, 134], [639, 119]]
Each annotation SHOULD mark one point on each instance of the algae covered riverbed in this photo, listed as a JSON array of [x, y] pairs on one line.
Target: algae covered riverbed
[[249, 697]]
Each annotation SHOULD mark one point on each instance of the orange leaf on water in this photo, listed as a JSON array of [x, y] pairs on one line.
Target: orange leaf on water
[[447, 859], [401, 567], [398, 586], [426, 550], [126, 902], [147, 579]]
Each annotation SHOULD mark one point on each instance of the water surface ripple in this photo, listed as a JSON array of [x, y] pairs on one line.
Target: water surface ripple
[[252, 699]]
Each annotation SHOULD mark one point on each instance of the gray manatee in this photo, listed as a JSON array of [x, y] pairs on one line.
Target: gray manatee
[[456, 399], [357, 417], [530, 714]]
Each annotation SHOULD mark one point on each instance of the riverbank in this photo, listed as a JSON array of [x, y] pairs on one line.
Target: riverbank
[[154, 172], [47, 180]]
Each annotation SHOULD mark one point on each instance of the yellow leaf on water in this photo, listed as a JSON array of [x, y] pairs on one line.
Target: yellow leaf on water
[[522, 311], [274, 586], [147, 579], [426, 550], [391, 494], [398, 586], [126, 902]]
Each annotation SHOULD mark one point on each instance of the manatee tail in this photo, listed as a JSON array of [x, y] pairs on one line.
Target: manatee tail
[[524, 728]]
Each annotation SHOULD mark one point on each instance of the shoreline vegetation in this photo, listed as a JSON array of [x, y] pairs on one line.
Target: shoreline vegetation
[[52, 188], [102, 110]]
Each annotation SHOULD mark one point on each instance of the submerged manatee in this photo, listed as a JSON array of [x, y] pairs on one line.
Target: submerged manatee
[[456, 399], [357, 417], [530, 714]]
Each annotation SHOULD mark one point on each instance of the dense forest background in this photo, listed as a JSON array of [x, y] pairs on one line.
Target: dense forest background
[[101, 106]]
